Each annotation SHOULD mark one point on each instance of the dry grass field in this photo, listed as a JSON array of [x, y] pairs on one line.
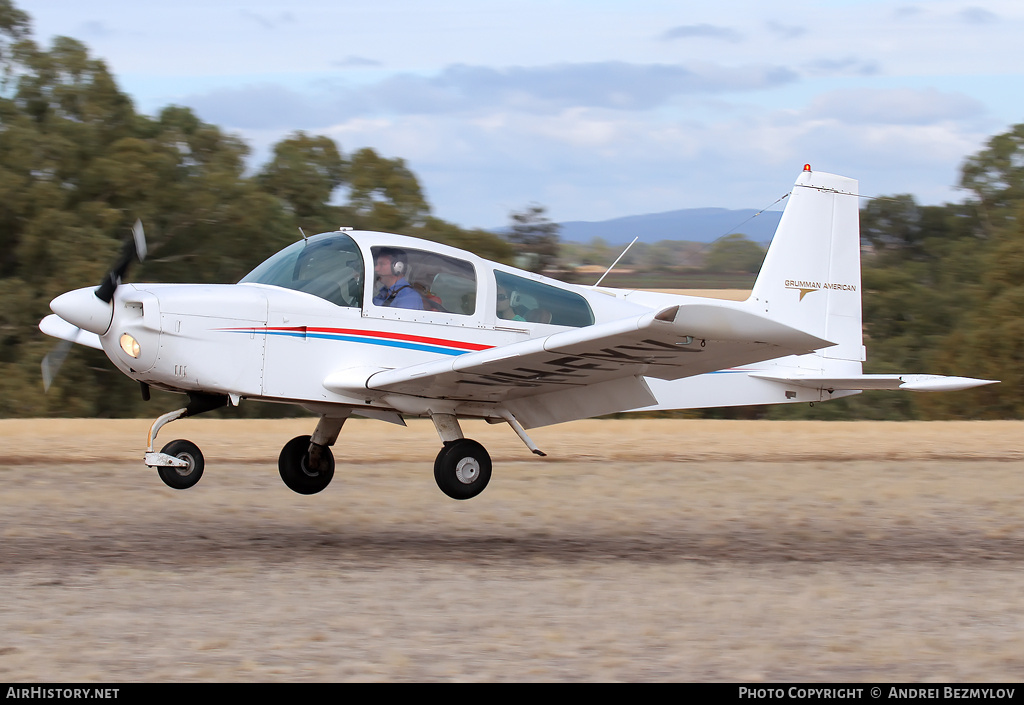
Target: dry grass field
[[646, 550]]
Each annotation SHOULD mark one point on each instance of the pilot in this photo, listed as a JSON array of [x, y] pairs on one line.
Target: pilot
[[505, 309], [390, 267]]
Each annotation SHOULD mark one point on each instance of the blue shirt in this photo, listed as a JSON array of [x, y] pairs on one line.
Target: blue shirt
[[406, 296]]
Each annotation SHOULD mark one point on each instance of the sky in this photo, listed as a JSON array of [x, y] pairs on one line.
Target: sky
[[594, 109]]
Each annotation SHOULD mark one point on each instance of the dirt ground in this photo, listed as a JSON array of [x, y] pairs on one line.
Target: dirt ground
[[648, 550]]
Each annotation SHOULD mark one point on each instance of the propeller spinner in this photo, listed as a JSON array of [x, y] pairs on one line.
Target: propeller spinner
[[91, 309]]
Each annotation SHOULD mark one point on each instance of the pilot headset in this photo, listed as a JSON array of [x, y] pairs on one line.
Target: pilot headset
[[398, 265]]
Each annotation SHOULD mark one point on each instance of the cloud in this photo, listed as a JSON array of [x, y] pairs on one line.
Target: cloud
[[351, 61], [611, 85], [94, 28], [977, 15], [270, 23], [260, 106], [894, 106], [701, 31], [907, 11], [786, 31], [969, 15], [849, 66], [594, 164], [477, 90]]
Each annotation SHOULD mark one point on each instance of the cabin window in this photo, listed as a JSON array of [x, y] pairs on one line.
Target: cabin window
[[428, 281], [535, 302], [327, 265]]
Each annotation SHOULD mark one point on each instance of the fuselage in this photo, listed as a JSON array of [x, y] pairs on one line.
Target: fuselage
[[283, 329]]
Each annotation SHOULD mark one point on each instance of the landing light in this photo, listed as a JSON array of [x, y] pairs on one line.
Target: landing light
[[130, 345]]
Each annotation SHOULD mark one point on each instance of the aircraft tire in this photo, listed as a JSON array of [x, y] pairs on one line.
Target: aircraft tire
[[462, 469], [295, 471], [182, 478]]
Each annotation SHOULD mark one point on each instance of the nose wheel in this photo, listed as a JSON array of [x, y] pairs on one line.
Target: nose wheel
[[462, 468], [181, 477]]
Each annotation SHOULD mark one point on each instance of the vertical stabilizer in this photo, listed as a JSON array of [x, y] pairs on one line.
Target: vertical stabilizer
[[810, 278]]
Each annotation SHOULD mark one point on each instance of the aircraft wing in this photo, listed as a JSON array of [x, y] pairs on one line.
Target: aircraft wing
[[57, 327], [671, 343]]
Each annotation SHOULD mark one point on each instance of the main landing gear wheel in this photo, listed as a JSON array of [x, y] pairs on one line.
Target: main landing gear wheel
[[182, 478], [295, 469], [462, 469]]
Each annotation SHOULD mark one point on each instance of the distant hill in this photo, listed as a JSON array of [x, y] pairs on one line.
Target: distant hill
[[693, 224]]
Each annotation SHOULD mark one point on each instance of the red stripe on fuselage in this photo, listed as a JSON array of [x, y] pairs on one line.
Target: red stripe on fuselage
[[387, 335]]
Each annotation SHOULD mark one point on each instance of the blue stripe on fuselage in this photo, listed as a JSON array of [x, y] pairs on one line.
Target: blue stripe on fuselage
[[369, 341]]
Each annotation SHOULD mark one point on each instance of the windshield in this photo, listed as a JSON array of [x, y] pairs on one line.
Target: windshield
[[327, 265]]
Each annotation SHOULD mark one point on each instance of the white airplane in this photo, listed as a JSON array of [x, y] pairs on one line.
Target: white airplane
[[352, 323]]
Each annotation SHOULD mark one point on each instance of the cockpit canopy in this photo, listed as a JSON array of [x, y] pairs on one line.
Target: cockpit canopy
[[329, 266]]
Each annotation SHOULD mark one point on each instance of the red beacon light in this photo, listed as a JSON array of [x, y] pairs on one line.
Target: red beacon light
[[807, 167]]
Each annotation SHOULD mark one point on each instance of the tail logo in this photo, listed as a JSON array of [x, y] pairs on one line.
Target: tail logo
[[806, 287]]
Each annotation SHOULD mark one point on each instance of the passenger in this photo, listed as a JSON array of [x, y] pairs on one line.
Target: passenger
[[391, 267], [505, 309]]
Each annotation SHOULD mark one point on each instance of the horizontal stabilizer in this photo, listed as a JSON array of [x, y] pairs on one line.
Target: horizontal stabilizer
[[913, 383], [938, 383]]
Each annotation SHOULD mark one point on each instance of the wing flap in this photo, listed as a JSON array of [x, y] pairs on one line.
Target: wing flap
[[581, 402]]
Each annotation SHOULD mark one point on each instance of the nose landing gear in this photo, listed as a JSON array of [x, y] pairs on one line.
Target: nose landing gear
[[180, 463]]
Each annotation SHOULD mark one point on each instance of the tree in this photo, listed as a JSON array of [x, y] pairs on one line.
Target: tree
[[599, 252], [14, 26], [304, 173], [384, 194], [734, 253], [77, 166], [206, 220], [480, 242], [534, 237], [995, 176], [989, 337]]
